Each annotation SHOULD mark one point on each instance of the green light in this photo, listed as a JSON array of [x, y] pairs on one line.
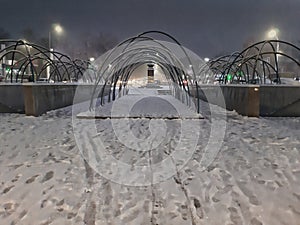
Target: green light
[[7, 70], [229, 76], [240, 73]]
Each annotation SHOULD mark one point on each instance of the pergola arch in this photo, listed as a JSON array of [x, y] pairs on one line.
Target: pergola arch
[[23, 55], [118, 64], [255, 63]]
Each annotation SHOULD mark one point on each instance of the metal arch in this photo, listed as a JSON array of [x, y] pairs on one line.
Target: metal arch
[[249, 64], [133, 66], [260, 55], [154, 57], [60, 64], [13, 52], [223, 61], [26, 64], [81, 66], [228, 59], [249, 61], [168, 62], [116, 59], [59, 57], [275, 53], [128, 69], [140, 36], [125, 71], [44, 51], [241, 54], [129, 41], [108, 56], [113, 77], [176, 41]]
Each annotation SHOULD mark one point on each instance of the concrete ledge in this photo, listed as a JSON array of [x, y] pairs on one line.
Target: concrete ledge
[[40, 98], [254, 100], [35, 99], [11, 98], [249, 100], [242, 98], [283, 100]]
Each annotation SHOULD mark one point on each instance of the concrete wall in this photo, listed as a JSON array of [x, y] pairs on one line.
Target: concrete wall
[[11, 98], [36, 98], [254, 100], [250, 100], [40, 98], [242, 98], [280, 100]]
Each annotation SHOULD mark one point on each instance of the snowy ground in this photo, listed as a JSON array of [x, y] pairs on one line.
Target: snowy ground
[[255, 178]]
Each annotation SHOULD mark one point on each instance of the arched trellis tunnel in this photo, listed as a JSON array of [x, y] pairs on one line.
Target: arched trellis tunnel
[[116, 67], [22, 62], [260, 63]]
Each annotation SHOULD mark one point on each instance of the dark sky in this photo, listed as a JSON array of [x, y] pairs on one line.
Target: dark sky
[[208, 27]]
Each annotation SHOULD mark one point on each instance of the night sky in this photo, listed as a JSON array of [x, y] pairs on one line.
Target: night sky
[[208, 27]]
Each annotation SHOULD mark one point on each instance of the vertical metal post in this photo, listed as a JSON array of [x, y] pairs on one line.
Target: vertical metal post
[[3, 63], [51, 56]]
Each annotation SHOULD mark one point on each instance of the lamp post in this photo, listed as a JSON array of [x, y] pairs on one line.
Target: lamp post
[[28, 52], [273, 34], [57, 29]]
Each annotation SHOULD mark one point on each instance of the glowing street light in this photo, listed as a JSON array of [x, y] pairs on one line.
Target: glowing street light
[[58, 30], [273, 34], [206, 59]]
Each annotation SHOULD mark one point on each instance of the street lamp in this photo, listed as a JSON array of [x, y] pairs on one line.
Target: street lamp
[[58, 30], [273, 34]]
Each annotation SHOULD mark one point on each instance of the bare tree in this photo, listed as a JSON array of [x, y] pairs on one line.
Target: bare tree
[[43, 41], [29, 35], [248, 42], [102, 43], [92, 45]]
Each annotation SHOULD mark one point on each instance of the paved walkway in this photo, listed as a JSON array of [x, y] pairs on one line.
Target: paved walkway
[[144, 103]]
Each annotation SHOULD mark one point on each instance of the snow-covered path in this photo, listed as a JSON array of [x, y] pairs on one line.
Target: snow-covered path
[[255, 178]]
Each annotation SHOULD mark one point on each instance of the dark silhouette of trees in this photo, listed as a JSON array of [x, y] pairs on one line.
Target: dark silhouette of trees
[[4, 34], [91, 45], [83, 47], [101, 43], [29, 35]]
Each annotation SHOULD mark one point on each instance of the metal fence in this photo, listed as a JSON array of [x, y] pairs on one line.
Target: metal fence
[[21, 61], [261, 63]]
